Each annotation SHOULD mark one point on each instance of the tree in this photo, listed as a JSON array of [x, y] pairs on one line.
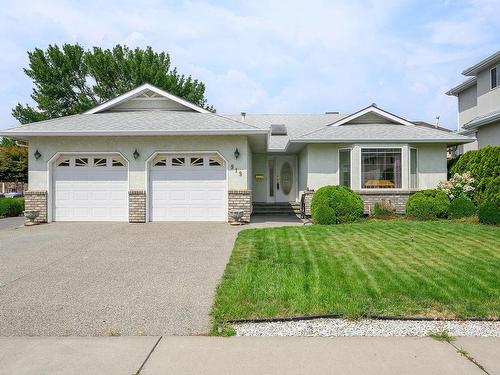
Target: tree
[[70, 80], [13, 163]]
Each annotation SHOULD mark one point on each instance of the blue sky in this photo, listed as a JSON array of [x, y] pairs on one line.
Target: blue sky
[[274, 56]]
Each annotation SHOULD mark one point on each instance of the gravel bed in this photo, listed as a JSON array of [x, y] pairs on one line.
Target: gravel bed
[[367, 327]]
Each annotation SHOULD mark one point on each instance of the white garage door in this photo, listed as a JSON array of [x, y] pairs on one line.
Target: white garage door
[[90, 188], [188, 188]]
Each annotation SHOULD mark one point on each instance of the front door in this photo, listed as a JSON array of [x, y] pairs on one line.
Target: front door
[[282, 179]]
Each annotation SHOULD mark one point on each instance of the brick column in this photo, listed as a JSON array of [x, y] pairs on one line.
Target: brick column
[[306, 200], [240, 200], [137, 206], [36, 201]]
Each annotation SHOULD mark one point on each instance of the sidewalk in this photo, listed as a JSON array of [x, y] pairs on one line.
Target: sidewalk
[[246, 355]]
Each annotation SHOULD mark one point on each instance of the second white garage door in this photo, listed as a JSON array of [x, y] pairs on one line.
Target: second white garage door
[[188, 188]]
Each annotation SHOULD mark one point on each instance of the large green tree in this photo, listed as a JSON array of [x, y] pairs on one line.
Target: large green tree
[[70, 79], [13, 163]]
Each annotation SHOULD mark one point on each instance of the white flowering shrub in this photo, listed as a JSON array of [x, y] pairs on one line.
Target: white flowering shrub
[[459, 185]]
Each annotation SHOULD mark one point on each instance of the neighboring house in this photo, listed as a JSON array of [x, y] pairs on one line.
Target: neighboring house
[[479, 104], [148, 155]]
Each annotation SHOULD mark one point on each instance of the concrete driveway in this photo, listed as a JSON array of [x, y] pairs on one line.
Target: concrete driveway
[[89, 279]]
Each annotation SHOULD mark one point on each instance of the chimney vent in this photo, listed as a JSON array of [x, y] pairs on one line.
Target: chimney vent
[[243, 116], [331, 113]]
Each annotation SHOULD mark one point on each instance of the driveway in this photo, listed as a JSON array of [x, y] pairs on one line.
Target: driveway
[[91, 279]]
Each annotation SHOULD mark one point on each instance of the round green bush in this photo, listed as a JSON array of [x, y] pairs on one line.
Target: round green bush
[[428, 205], [489, 213], [346, 204], [325, 215], [11, 207], [461, 207]]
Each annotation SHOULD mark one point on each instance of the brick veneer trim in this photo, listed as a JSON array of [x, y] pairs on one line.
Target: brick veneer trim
[[240, 200], [137, 206], [36, 201]]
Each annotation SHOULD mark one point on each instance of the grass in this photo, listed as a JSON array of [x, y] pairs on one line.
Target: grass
[[386, 268], [441, 336]]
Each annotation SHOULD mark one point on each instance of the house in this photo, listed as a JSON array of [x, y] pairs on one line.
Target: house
[[148, 155], [479, 104]]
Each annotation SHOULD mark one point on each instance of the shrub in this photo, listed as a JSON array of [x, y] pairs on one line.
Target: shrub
[[461, 207], [489, 213], [428, 205], [484, 166], [11, 207], [325, 215], [346, 204], [458, 186], [383, 209]]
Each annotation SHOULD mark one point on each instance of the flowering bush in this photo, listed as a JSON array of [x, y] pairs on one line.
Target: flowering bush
[[458, 186]]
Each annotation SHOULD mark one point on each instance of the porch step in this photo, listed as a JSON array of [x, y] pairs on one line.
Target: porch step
[[278, 208]]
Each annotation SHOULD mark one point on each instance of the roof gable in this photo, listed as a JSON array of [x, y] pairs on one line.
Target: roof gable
[[146, 98], [372, 115]]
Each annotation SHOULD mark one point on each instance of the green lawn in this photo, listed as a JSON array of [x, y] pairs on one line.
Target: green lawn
[[391, 268]]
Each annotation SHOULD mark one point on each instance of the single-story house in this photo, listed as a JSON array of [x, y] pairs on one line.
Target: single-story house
[[148, 155]]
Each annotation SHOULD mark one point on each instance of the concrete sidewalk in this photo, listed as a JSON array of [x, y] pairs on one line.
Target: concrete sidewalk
[[245, 355]]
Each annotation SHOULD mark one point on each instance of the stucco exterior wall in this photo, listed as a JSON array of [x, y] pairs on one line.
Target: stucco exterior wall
[[489, 135], [467, 105], [259, 189], [432, 166], [488, 100], [322, 165], [146, 146]]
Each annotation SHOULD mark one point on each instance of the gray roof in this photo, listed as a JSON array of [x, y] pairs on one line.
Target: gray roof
[[139, 123], [485, 63], [381, 132], [296, 124], [483, 120]]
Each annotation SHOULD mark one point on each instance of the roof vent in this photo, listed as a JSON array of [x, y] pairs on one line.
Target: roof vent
[[278, 129], [331, 113], [374, 105], [243, 116]]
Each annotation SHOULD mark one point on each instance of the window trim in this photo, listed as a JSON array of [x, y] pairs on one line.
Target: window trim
[[497, 67], [350, 164], [409, 168], [361, 188]]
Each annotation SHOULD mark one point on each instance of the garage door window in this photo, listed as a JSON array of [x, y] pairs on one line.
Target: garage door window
[[117, 162], [63, 163], [161, 163], [81, 162], [100, 162], [178, 162], [197, 162], [215, 161]]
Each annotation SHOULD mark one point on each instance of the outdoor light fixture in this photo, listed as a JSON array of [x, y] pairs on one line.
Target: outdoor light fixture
[[236, 153], [136, 154], [37, 154]]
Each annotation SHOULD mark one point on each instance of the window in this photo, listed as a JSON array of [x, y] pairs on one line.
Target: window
[[81, 162], [117, 162], [495, 77], [178, 162], [345, 167], [161, 163], [63, 163], [99, 162], [413, 168], [215, 161], [196, 162], [380, 168]]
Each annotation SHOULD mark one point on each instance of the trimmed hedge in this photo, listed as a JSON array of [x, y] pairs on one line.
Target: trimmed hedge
[[11, 207], [325, 215], [428, 205], [484, 165], [489, 213], [346, 204], [461, 207]]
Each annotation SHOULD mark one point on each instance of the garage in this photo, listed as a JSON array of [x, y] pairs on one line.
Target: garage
[[90, 188], [188, 188]]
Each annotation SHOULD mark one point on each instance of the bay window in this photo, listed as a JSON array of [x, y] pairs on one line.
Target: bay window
[[380, 168]]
